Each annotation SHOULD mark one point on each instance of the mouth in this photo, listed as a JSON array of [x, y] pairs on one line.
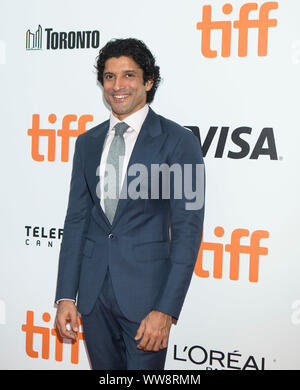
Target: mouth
[[119, 98]]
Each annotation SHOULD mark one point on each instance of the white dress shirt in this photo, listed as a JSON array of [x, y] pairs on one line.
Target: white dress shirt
[[135, 122]]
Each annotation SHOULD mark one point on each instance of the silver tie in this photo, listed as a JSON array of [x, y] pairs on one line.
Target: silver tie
[[115, 159]]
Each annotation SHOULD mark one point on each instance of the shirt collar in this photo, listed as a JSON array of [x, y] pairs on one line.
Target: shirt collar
[[134, 121]]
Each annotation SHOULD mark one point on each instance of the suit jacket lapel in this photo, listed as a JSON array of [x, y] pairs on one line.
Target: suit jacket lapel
[[146, 147], [94, 149]]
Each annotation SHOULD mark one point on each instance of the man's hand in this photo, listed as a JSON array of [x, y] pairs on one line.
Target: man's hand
[[67, 313], [154, 331]]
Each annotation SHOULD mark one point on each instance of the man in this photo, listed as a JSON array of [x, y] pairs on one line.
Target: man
[[130, 258]]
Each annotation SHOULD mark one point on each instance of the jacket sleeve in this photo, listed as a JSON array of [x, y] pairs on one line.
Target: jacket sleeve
[[186, 224], [75, 225]]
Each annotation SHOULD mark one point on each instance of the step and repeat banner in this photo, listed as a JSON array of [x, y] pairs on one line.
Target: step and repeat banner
[[231, 73]]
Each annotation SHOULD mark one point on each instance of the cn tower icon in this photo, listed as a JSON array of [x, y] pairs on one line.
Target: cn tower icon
[[34, 40]]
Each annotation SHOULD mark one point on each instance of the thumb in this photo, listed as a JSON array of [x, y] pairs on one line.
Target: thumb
[[140, 331]]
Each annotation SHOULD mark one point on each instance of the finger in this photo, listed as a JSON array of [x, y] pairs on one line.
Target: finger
[[153, 342], [140, 331], [157, 345], [63, 331], [74, 322], [69, 334], [59, 326], [143, 343], [70, 331], [164, 343], [165, 339]]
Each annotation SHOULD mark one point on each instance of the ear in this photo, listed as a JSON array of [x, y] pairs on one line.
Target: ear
[[149, 84]]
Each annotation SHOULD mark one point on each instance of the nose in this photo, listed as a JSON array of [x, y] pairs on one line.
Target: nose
[[119, 83]]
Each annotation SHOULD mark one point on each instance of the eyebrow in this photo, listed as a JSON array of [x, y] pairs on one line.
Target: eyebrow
[[125, 71]]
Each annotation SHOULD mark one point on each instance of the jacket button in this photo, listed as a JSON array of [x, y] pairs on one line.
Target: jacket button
[[110, 236]]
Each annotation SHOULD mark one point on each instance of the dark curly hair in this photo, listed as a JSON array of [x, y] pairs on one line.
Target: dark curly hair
[[138, 51]]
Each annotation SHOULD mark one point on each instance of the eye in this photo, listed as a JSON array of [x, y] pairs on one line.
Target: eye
[[108, 76], [129, 75]]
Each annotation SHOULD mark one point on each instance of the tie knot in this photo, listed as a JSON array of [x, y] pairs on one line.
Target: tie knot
[[120, 128]]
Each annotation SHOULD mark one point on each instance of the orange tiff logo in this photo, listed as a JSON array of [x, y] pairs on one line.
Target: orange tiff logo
[[243, 24], [64, 133], [235, 249], [30, 330]]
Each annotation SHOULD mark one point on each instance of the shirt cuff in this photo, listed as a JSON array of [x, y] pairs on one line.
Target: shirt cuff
[[65, 299]]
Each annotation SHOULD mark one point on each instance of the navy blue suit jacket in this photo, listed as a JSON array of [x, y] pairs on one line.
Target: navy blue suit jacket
[[150, 268]]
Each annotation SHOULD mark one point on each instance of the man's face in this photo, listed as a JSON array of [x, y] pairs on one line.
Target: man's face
[[124, 88]]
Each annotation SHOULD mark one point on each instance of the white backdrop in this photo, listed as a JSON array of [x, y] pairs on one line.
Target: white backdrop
[[228, 321]]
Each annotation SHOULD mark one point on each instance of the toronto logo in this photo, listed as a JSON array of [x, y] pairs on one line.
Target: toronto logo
[[61, 40]]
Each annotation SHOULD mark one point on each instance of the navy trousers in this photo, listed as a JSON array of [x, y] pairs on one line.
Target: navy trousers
[[109, 337]]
